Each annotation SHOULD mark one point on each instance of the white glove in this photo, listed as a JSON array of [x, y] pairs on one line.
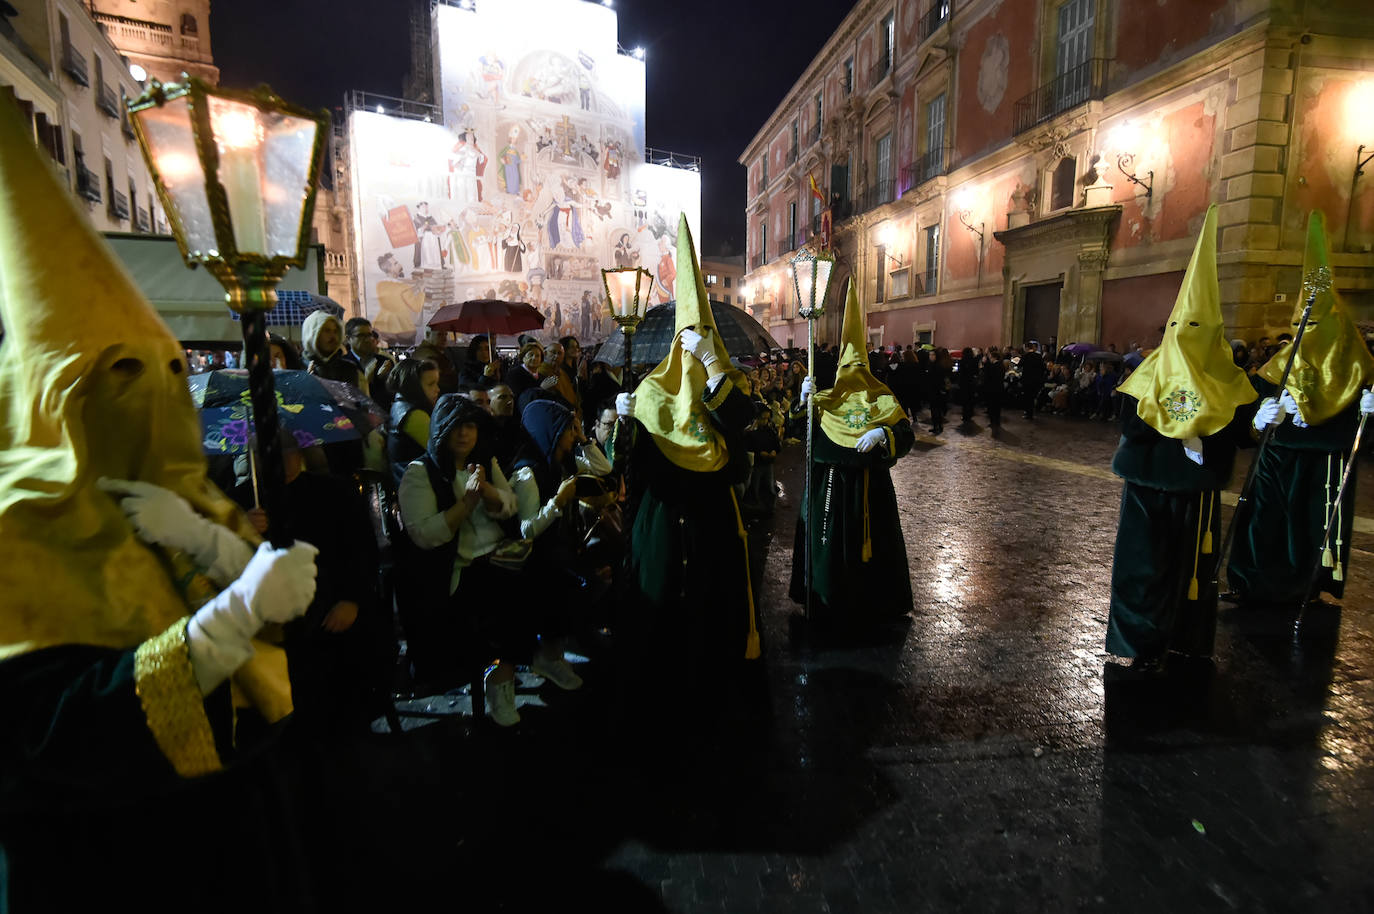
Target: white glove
[[808, 387], [696, 344], [1290, 406], [624, 405], [870, 439], [1268, 413], [277, 586], [549, 383], [163, 517], [1367, 402], [1192, 449]]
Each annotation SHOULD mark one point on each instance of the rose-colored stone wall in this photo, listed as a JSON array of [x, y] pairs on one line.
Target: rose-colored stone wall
[[996, 67], [1334, 110], [1135, 308], [971, 322], [1165, 30]]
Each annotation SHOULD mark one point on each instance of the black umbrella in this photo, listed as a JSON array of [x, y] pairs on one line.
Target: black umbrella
[[742, 335]]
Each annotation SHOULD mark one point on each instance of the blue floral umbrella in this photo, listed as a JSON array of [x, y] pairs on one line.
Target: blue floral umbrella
[[313, 410]]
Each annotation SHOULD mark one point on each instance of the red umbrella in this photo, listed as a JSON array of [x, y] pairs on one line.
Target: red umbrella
[[487, 315]]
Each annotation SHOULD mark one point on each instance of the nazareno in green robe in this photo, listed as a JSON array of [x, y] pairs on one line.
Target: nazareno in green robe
[[1168, 537], [1279, 532], [853, 499], [686, 615]]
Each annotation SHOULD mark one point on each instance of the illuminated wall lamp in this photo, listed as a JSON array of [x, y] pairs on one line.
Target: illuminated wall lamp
[[1125, 138], [887, 240]]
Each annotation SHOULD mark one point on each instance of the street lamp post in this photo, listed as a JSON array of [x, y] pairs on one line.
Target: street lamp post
[[626, 301], [811, 275], [236, 173]]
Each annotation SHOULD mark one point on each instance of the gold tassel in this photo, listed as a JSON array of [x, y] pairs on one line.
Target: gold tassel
[[1192, 584], [1207, 530], [752, 650], [1328, 560], [868, 536]]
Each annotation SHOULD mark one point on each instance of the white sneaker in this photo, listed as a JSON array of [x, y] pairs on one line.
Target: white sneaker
[[558, 671], [501, 703]]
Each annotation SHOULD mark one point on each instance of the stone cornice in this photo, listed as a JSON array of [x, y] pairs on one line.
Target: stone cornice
[[1081, 225]]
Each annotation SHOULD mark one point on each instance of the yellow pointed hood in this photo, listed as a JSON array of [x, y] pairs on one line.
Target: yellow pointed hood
[[1333, 363], [1189, 387], [668, 402], [858, 402], [91, 384]]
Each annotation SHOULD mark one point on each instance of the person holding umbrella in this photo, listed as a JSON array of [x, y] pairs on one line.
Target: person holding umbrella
[[859, 568], [1183, 413], [1278, 551], [681, 437], [480, 369]]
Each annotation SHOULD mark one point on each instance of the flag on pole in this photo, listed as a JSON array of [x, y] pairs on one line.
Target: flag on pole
[[815, 191]]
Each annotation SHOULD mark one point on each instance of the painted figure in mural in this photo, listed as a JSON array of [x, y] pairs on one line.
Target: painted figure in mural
[[509, 159], [641, 203], [584, 324], [565, 207], [459, 253], [584, 91], [493, 73], [427, 231], [589, 149], [610, 164], [667, 269], [626, 254], [512, 246], [398, 301], [462, 166]]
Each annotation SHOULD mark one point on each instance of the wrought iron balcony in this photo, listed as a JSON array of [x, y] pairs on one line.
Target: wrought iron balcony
[[74, 65], [791, 155], [119, 205], [757, 262], [928, 280], [87, 183], [107, 100], [813, 136], [878, 193], [142, 222], [937, 15], [880, 69], [816, 225], [1083, 83], [931, 164]]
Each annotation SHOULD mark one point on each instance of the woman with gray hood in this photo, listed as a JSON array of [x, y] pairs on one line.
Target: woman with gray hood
[[322, 337]]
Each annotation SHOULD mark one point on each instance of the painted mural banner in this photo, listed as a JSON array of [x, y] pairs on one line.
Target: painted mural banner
[[532, 183]]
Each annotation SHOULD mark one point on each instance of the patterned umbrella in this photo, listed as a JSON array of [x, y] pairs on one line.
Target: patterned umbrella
[[743, 336], [295, 305], [312, 409], [487, 315]]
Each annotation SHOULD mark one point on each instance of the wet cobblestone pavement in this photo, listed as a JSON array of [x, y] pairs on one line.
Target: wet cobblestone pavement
[[970, 759]]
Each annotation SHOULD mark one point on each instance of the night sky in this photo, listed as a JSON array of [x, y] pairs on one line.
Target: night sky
[[716, 70]]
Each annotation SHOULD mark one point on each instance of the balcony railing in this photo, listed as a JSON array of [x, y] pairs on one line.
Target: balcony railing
[[142, 222], [813, 136], [791, 155], [928, 280], [937, 15], [878, 193], [107, 100], [74, 65], [758, 261], [815, 225], [124, 31], [87, 183], [880, 69], [932, 164], [787, 244], [336, 261], [119, 205], [1083, 83]]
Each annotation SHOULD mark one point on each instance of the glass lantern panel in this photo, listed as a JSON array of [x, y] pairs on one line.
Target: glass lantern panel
[[289, 153], [264, 165], [172, 147], [620, 291]]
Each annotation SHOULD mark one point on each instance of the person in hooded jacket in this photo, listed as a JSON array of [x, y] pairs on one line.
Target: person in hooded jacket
[[454, 598], [481, 369], [545, 481], [322, 338]]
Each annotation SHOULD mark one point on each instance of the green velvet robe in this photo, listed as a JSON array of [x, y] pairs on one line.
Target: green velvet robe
[[686, 614], [846, 486], [1279, 533], [1168, 506]]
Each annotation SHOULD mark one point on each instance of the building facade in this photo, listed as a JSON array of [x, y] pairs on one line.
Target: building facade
[[1003, 170], [164, 37], [72, 82], [724, 279]]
